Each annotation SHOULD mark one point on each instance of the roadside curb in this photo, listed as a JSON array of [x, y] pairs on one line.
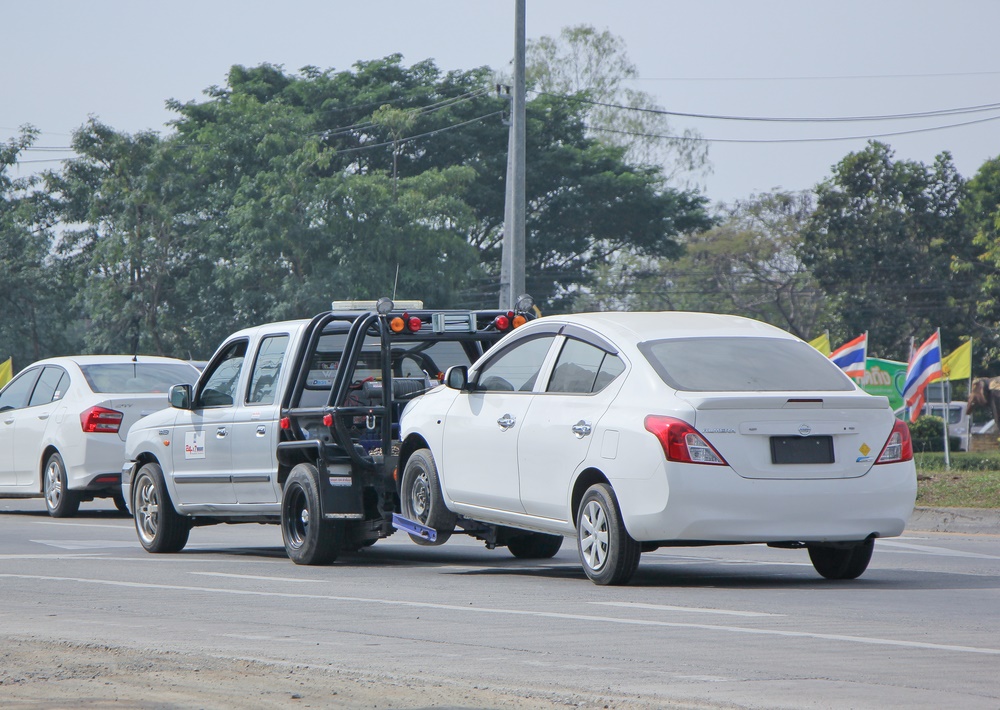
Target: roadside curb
[[955, 520]]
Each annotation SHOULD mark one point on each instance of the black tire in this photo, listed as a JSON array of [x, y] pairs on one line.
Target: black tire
[[60, 501], [160, 528], [608, 553], [842, 562], [421, 498], [309, 538], [120, 504], [535, 546]]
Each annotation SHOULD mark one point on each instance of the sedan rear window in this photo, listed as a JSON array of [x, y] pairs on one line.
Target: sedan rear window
[[137, 377], [743, 365]]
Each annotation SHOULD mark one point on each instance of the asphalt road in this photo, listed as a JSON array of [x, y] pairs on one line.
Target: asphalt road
[[746, 627]]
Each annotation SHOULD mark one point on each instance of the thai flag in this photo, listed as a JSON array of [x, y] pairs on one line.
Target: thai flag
[[924, 367], [851, 356]]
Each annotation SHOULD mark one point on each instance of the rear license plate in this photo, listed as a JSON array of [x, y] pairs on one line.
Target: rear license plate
[[801, 449]]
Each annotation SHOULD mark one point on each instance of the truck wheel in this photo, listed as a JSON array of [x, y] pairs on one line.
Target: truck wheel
[[158, 525], [608, 553], [60, 501], [842, 562], [421, 499], [535, 546], [309, 538]]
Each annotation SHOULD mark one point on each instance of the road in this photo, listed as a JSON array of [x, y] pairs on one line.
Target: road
[[233, 623]]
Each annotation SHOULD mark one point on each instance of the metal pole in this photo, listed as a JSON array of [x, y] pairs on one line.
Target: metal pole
[[512, 260]]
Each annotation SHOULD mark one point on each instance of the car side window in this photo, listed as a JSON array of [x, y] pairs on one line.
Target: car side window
[[266, 369], [50, 387], [219, 389], [583, 368], [17, 392], [516, 368]]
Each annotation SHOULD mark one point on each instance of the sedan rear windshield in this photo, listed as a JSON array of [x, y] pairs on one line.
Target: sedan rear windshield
[[137, 377], [743, 365]]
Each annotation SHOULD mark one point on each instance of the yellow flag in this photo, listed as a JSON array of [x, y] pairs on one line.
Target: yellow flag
[[822, 343], [958, 365], [5, 371]]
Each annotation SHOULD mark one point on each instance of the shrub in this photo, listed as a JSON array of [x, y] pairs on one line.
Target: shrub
[[928, 435]]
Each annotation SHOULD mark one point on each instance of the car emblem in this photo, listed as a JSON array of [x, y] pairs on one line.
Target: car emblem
[[805, 430]]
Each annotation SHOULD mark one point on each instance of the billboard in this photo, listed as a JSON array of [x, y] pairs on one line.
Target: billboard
[[885, 378]]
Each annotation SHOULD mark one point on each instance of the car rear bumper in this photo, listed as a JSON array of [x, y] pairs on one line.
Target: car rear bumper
[[713, 504], [95, 464]]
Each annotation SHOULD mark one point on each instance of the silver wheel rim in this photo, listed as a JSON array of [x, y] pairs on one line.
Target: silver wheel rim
[[53, 485], [594, 535], [420, 497], [147, 509]]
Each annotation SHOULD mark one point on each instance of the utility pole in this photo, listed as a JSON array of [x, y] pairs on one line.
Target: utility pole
[[512, 259]]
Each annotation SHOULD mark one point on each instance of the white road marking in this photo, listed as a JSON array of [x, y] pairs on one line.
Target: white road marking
[[85, 544], [692, 609], [124, 526], [866, 640], [259, 577], [895, 546]]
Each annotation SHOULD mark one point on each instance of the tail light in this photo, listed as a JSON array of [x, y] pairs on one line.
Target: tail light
[[501, 322], [101, 420], [899, 446], [682, 442]]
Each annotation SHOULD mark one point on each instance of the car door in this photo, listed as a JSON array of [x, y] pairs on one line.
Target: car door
[[202, 448], [13, 400], [35, 420], [558, 430], [255, 426], [479, 447]]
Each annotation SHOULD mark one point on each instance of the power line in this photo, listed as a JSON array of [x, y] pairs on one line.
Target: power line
[[842, 77]]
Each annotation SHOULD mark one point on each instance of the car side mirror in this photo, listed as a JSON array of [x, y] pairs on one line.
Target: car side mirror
[[180, 396], [457, 377]]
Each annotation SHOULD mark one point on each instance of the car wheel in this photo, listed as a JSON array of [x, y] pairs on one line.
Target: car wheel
[[421, 498], [842, 562], [608, 553], [60, 501], [160, 528], [535, 546], [309, 538]]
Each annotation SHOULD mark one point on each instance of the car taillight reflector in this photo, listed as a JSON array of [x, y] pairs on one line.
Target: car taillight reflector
[[899, 446], [101, 420], [682, 442], [414, 323]]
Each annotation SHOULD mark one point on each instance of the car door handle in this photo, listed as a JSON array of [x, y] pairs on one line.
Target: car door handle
[[9, 421], [262, 430], [506, 421], [43, 417], [582, 429], [221, 432]]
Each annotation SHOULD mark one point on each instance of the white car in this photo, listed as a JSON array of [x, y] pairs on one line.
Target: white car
[[631, 431], [63, 423]]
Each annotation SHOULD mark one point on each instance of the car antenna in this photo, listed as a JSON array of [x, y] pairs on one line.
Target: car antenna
[[135, 371], [395, 282]]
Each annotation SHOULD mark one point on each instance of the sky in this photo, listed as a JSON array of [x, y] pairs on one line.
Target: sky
[[121, 60]]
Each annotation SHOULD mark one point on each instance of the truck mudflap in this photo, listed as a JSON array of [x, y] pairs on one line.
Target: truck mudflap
[[413, 527], [340, 493]]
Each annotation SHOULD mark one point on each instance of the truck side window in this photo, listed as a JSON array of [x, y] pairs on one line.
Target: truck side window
[[219, 389], [266, 369]]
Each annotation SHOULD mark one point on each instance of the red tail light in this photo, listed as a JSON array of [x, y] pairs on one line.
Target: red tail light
[[502, 322], [899, 446], [682, 442], [99, 419], [413, 323]]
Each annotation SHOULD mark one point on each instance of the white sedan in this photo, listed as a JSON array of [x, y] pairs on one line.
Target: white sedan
[[63, 423], [631, 431]]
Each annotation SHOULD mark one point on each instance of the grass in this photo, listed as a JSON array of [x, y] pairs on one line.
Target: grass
[[972, 482]]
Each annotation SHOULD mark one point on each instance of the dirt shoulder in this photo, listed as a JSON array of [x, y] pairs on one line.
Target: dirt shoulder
[[53, 675]]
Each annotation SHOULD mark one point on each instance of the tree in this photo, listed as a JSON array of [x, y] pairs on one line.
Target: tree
[[592, 68], [37, 321], [881, 245], [982, 209]]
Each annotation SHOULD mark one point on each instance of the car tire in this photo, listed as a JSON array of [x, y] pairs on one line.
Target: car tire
[[608, 553], [160, 528], [842, 562], [309, 538], [535, 546], [421, 498], [60, 501]]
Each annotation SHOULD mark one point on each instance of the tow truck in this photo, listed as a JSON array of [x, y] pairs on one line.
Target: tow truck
[[296, 423]]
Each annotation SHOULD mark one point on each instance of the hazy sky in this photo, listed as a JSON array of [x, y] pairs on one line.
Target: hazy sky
[[65, 60]]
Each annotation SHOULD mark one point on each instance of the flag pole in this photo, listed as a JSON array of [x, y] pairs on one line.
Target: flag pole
[[946, 409]]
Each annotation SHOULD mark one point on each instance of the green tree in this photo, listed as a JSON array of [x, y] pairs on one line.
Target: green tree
[[34, 288], [881, 244], [982, 209]]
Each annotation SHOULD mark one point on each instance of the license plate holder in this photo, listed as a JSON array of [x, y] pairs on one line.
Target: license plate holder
[[801, 450]]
